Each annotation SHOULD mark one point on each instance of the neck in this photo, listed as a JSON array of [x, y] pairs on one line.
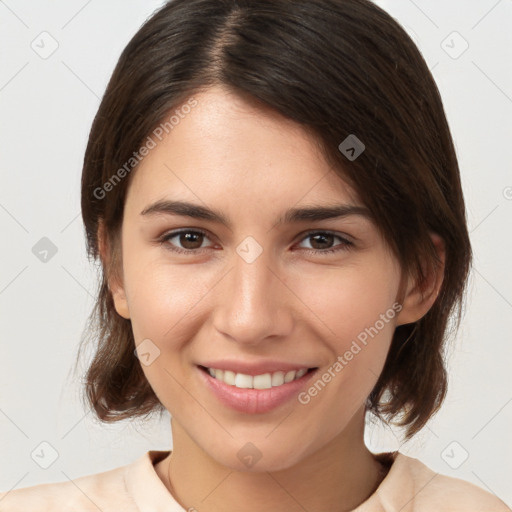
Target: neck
[[338, 477]]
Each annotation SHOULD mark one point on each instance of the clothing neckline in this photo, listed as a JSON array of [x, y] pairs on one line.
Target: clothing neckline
[[151, 495]]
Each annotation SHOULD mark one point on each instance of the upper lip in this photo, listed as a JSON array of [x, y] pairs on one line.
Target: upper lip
[[255, 368]]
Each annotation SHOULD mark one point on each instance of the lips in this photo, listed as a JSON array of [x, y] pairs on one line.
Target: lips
[[259, 388]]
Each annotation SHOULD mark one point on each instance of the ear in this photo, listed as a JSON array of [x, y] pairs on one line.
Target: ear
[[115, 283], [419, 298]]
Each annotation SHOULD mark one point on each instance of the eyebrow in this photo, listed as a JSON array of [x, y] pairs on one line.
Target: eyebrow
[[293, 215]]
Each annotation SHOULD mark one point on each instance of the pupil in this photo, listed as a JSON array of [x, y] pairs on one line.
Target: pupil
[[324, 237], [188, 239]]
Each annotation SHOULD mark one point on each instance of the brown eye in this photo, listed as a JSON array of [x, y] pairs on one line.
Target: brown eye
[[186, 240], [189, 240], [322, 242]]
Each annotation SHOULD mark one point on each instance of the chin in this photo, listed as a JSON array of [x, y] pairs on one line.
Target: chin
[[254, 458]]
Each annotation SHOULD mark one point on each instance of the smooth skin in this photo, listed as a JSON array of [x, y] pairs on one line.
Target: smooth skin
[[295, 302]]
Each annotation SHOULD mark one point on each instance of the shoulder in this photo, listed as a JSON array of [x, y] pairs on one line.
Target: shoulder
[[428, 490], [103, 491]]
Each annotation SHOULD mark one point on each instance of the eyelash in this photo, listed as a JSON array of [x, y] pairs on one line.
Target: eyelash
[[344, 246]]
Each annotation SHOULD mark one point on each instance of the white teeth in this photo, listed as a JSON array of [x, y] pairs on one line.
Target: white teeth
[[277, 378], [243, 381], [301, 372], [263, 381], [229, 377], [289, 376]]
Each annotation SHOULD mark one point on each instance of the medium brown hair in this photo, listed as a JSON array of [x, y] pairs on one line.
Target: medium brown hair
[[336, 67]]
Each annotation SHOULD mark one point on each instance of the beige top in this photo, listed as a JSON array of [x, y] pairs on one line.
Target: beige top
[[409, 486]]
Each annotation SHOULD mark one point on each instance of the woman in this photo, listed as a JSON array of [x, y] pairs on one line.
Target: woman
[[272, 190]]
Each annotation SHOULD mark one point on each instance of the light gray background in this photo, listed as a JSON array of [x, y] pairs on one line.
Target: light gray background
[[47, 106]]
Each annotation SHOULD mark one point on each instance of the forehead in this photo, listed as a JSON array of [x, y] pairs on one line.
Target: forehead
[[228, 151]]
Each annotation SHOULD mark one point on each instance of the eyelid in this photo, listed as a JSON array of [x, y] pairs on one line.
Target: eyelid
[[165, 237], [346, 240], [343, 236]]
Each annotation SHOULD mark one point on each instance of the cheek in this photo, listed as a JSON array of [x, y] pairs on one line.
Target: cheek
[[342, 387], [349, 301], [154, 300], [357, 311], [164, 301], [161, 296]]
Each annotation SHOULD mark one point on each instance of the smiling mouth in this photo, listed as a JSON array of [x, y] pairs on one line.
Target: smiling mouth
[[262, 381]]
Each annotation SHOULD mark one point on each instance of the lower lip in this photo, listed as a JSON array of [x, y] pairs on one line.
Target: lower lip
[[255, 401]]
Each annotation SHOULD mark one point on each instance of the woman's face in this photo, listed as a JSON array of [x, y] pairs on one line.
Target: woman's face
[[261, 293]]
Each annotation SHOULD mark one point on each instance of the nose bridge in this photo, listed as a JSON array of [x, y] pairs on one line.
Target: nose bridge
[[252, 305], [252, 278]]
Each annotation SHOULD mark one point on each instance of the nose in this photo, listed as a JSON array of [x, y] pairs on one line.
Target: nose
[[253, 303]]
